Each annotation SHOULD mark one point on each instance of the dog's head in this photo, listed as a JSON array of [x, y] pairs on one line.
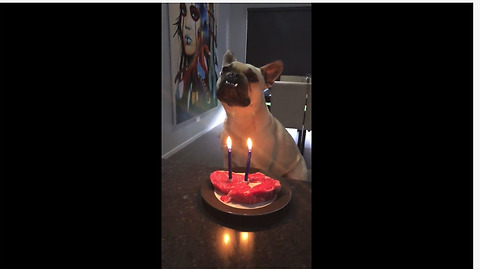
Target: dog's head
[[242, 84]]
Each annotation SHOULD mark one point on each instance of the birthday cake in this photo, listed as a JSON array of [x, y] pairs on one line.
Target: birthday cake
[[259, 187]]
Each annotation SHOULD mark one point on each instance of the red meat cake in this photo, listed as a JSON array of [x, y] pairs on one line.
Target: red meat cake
[[260, 188]]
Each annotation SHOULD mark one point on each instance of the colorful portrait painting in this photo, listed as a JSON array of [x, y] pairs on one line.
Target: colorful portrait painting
[[194, 58]]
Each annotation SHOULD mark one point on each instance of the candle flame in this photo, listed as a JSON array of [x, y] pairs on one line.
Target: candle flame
[[249, 143], [229, 143]]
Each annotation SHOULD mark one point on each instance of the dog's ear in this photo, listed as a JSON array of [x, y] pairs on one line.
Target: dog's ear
[[228, 58], [272, 71]]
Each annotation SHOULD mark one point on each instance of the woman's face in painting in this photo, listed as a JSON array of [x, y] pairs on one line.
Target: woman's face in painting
[[190, 25]]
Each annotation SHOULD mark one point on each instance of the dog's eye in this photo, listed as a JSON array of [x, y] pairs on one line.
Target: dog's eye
[[224, 70], [251, 76]]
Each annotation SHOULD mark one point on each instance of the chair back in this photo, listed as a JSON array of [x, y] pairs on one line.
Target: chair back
[[293, 78], [288, 103], [308, 113]]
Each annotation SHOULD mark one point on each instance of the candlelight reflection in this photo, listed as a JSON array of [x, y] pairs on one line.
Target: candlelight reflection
[[225, 243], [232, 243], [226, 238], [246, 244]]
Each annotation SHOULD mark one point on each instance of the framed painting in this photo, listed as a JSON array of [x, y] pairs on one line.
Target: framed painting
[[193, 58]]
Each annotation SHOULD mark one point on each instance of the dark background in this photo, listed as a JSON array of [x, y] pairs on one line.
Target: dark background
[[281, 33], [80, 135], [394, 118]]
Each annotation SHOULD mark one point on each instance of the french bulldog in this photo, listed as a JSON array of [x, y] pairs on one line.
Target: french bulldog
[[240, 90]]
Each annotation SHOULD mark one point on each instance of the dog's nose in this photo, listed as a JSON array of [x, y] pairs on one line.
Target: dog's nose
[[232, 78]]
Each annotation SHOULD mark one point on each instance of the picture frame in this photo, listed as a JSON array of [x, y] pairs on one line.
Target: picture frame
[[193, 31]]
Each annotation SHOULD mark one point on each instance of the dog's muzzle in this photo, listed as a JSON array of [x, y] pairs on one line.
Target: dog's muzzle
[[232, 88], [232, 79]]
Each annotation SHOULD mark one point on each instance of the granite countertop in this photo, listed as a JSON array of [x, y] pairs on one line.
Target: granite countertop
[[196, 235]]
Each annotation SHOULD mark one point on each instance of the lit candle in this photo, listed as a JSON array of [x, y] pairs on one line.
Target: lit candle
[[229, 145], [249, 143]]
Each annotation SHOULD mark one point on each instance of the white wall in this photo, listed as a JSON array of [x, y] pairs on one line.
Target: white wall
[[231, 34]]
